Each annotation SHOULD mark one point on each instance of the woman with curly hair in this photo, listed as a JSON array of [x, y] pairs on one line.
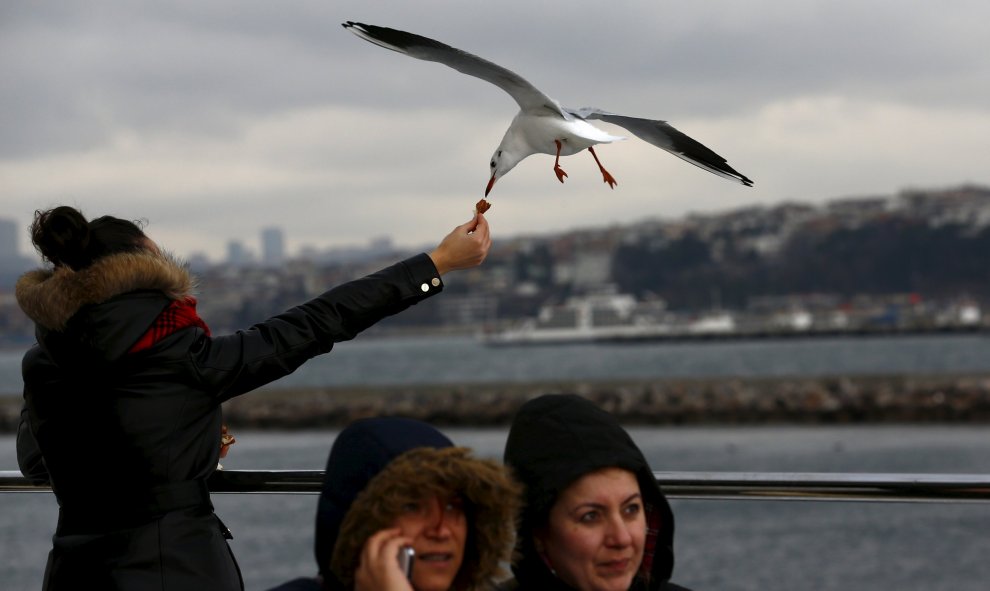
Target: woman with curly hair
[[393, 484]]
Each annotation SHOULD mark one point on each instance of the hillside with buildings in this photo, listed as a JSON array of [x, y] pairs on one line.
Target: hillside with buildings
[[918, 252]]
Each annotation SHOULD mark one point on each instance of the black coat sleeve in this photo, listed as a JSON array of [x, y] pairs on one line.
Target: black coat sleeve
[[237, 363]]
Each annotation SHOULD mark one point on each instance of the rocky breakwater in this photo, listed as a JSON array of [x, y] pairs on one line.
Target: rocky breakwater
[[863, 399], [867, 399]]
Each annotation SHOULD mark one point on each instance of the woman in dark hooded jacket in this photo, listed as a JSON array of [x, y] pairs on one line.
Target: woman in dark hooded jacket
[[393, 482], [123, 393], [594, 517]]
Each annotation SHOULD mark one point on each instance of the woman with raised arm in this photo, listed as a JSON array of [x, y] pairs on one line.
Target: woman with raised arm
[[123, 392]]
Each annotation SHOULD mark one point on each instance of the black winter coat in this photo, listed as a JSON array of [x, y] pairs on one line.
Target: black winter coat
[[129, 439]]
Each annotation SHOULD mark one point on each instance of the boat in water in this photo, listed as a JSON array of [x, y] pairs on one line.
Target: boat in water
[[611, 317]]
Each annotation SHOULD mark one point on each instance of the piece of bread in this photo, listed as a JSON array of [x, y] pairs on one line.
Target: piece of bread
[[482, 206]]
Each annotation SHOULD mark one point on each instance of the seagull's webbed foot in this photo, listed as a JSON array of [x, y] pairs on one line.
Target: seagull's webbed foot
[[608, 178]]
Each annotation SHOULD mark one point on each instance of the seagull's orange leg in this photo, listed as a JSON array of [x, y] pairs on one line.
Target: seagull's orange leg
[[608, 178], [556, 164]]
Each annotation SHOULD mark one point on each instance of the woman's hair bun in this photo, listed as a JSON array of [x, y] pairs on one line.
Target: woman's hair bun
[[62, 236]]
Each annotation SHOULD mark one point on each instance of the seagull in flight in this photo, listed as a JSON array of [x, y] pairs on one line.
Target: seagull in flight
[[542, 125]]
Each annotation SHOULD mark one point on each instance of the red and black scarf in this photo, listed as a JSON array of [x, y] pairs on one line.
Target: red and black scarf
[[178, 315]]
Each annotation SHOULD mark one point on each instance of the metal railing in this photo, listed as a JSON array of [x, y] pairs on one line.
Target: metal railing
[[802, 486]]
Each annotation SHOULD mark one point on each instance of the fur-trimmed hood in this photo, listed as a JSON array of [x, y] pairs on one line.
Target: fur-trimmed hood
[[379, 465], [94, 315], [50, 297]]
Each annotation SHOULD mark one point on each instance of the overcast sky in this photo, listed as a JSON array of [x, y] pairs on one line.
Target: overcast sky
[[214, 119]]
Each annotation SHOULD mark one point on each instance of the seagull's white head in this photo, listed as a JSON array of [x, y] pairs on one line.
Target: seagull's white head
[[502, 162]]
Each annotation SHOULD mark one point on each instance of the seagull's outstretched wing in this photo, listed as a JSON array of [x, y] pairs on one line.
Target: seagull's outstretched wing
[[663, 135], [529, 98]]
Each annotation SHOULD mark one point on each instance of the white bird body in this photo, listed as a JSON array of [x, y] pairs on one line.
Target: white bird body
[[530, 132], [542, 125]]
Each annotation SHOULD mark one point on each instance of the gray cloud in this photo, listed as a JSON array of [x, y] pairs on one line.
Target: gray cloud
[[245, 104]]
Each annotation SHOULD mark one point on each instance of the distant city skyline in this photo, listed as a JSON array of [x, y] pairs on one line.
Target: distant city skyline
[[272, 246], [12, 261], [267, 247], [8, 239], [250, 247]]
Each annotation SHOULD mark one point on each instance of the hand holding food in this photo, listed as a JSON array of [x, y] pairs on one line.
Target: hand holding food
[[466, 246]]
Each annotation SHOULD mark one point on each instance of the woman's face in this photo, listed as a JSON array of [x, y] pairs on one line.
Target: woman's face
[[596, 532], [438, 528]]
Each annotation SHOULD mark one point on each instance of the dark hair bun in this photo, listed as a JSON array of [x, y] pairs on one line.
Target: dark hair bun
[[62, 236]]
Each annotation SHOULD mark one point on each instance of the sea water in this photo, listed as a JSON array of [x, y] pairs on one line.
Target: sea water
[[720, 545], [724, 545], [459, 360]]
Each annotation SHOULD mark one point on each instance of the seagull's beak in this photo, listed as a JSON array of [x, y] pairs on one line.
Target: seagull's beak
[[491, 183]]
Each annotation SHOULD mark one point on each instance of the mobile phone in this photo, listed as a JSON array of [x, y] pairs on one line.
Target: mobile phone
[[407, 554]]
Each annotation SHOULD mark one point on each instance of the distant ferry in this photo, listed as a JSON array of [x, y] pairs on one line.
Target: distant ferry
[[621, 318], [610, 317]]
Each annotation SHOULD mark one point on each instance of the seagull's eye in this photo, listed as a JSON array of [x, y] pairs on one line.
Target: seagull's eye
[[492, 164]]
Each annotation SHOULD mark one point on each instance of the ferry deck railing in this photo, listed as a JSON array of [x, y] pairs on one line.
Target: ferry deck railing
[[800, 486]]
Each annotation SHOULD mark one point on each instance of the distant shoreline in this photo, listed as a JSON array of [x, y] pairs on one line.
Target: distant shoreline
[[763, 334], [700, 401]]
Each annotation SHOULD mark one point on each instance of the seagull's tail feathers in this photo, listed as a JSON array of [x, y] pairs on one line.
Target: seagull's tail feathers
[[663, 135]]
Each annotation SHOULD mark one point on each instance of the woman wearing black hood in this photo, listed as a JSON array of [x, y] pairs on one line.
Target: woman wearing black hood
[[594, 516]]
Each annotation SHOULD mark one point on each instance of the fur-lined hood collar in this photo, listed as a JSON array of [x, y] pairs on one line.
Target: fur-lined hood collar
[[50, 297]]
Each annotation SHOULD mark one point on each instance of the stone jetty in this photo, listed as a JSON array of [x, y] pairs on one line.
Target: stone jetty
[[731, 401], [872, 399]]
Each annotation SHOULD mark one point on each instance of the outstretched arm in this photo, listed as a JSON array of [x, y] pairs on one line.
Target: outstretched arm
[[234, 364]]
